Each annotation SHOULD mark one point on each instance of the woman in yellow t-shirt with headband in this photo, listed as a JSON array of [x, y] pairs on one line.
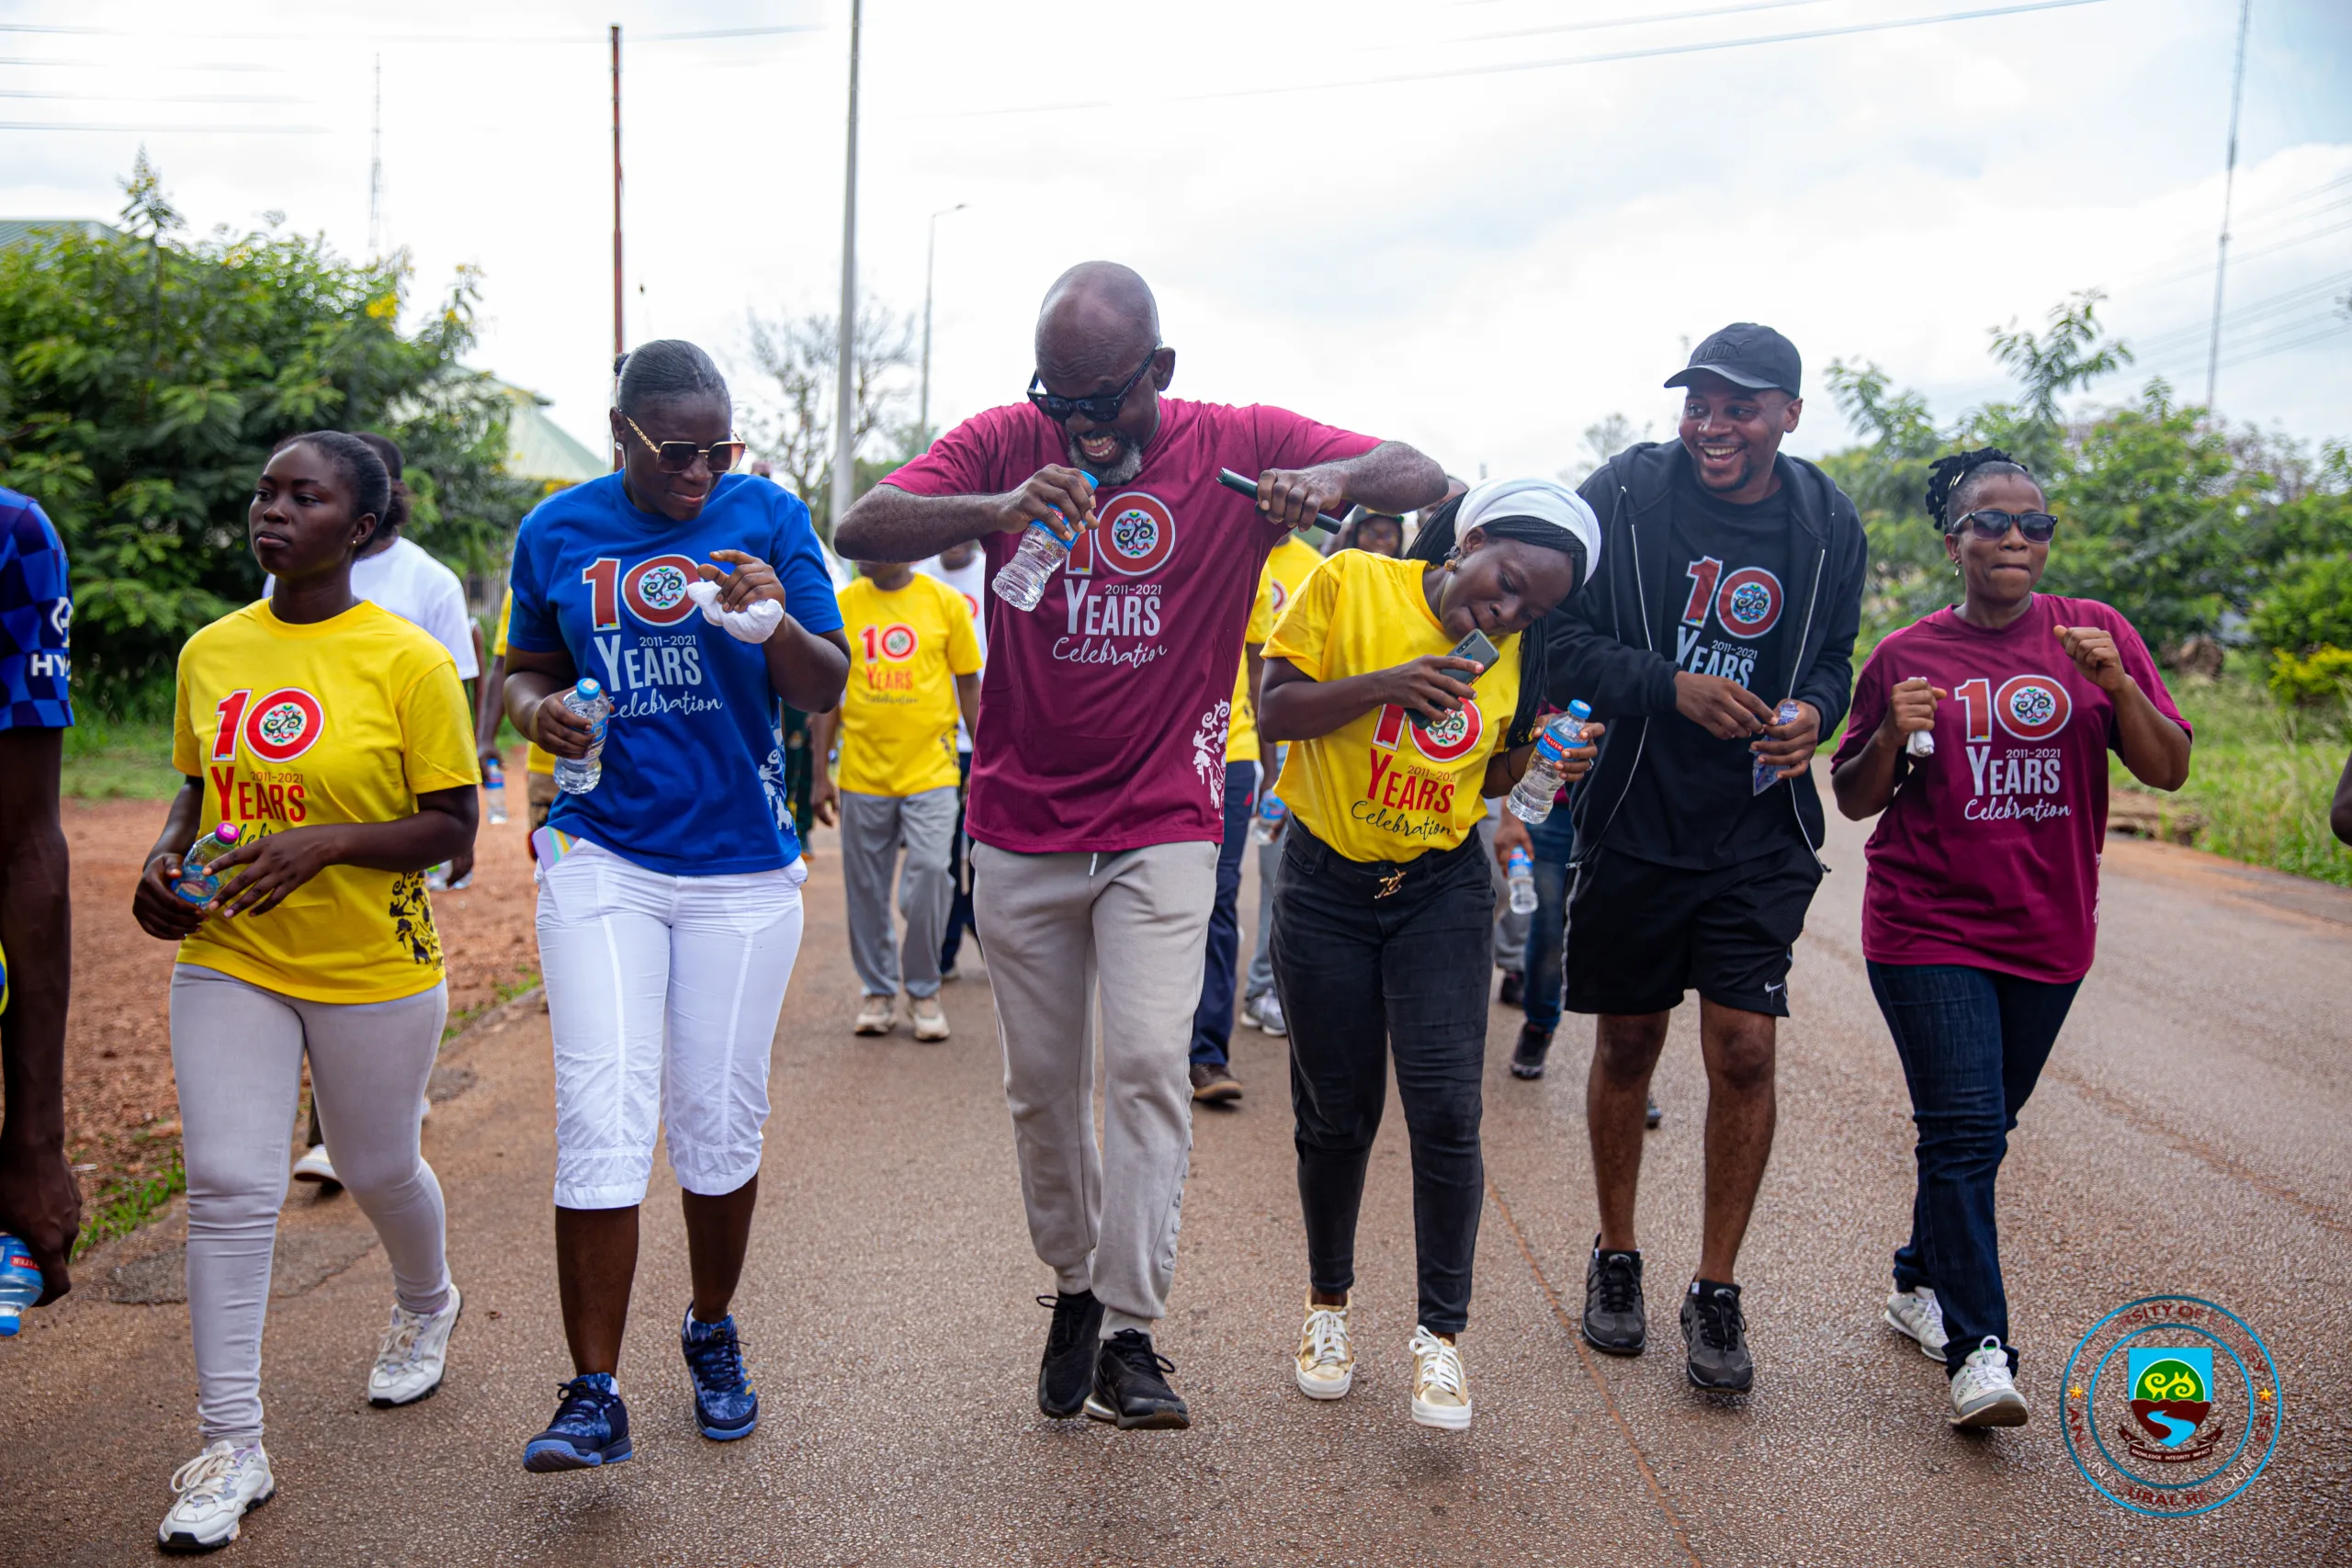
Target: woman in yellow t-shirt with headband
[[1385, 905], [334, 735]]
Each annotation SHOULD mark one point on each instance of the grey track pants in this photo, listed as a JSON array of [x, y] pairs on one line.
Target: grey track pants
[[237, 1054], [872, 827], [1135, 924]]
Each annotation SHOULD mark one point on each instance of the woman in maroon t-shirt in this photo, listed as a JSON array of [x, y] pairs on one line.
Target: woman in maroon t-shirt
[[1981, 905]]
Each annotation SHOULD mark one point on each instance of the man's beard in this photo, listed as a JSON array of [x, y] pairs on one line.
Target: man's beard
[[1129, 465]]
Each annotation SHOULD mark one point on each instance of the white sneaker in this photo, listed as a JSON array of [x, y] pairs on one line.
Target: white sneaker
[[1916, 1315], [1265, 1010], [1326, 1362], [414, 1353], [212, 1492], [1441, 1388], [876, 1015], [314, 1166], [929, 1018], [1983, 1392]]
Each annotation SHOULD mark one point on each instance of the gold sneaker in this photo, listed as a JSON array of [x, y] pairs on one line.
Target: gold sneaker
[[876, 1015], [1441, 1388], [1326, 1362]]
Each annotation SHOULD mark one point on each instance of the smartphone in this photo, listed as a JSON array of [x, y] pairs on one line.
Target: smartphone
[[1474, 648]]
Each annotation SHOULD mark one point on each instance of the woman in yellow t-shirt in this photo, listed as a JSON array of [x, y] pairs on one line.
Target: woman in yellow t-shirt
[[1383, 909], [333, 736]]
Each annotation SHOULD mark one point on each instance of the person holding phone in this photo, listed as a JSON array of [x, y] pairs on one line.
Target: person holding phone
[[1408, 697], [1980, 911], [334, 735], [670, 910]]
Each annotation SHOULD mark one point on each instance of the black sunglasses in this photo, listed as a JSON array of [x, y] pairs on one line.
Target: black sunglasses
[[1994, 526], [1101, 408], [677, 457]]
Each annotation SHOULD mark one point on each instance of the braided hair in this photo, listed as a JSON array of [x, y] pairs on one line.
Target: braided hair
[[664, 371], [1948, 477], [396, 510], [1434, 542]]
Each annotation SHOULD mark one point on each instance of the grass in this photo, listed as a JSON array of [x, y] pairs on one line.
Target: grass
[[502, 993], [130, 1202], [118, 759]]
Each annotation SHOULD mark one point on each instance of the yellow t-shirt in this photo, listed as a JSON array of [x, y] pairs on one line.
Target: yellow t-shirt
[[1285, 569], [535, 760], [906, 648], [1377, 788], [348, 720]]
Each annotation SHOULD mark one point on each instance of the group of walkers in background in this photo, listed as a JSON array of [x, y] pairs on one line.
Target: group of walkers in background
[[1076, 787]]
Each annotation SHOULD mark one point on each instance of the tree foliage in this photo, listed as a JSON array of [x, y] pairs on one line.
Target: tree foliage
[[789, 419], [144, 378]]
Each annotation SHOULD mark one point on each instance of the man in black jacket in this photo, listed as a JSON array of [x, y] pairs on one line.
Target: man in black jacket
[[1729, 597]]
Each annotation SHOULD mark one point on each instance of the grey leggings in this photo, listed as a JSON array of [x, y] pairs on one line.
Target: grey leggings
[[237, 1054]]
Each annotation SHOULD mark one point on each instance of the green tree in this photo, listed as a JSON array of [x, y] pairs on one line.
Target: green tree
[[144, 378]]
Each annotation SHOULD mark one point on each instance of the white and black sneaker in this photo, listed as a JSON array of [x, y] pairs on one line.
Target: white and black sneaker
[[414, 1354], [211, 1495], [1984, 1392], [1919, 1316]]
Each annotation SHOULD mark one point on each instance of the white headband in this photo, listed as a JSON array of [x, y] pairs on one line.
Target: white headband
[[1539, 501]]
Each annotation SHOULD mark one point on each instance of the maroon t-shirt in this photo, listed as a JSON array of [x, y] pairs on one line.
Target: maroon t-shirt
[[1103, 710], [1988, 855]]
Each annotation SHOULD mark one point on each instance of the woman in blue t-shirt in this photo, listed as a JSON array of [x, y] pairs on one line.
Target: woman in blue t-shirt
[[670, 892]]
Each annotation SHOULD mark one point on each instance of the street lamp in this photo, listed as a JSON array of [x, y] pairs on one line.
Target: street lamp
[[930, 258]]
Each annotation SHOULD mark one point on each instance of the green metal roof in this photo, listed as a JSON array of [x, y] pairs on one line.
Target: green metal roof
[[538, 448]]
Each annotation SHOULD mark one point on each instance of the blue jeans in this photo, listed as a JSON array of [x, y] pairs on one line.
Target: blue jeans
[[1553, 841], [1973, 1044], [1213, 1020]]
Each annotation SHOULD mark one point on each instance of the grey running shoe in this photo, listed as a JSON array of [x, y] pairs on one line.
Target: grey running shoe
[[1613, 1319], [1717, 1336]]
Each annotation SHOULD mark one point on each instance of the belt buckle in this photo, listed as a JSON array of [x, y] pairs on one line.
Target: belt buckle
[[1390, 880]]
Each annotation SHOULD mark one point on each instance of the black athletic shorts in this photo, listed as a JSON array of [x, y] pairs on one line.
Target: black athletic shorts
[[1640, 934]]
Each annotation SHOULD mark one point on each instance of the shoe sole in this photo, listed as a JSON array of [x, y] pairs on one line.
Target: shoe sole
[[871, 1029], [551, 1458], [1216, 1093], [1899, 1327], [929, 1038], [1742, 1386], [1323, 1388], [2009, 1411], [728, 1434], [1157, 1421], [1445, 1418], [1636, 1349], [1653, 1121], [1519, 1072], [184, 1544]]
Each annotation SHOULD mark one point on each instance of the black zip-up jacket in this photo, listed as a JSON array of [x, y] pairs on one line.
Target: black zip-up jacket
[[1604, 642]]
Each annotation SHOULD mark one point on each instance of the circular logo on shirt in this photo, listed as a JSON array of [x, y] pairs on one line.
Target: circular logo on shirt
[[970, 603], [1749, 603], [1451, 737], [284, 724], [897, 643], [1276, 594], [656, 590], [1138, 534], [2032, 708]]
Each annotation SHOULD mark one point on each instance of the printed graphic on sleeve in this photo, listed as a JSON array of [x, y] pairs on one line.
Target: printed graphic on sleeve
[[1746, 605], [36, 620]]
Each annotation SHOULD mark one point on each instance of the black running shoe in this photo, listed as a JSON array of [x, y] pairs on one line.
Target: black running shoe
[[1717, 1336], [1514, 991], [1651, 1115], [1527, 1058], [1131, 1385], [1068, 1368], [1614, 1320]]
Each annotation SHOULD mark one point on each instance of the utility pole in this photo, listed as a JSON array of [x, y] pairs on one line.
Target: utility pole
[[845, 372], [376, 171], [2229, 189], [930, 256], [620, 342]]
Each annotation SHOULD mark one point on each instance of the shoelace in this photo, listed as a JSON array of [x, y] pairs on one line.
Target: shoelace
[[1982, 1372], [584, 1405], [1131, 1346], [1439, 1363], [1719, 1320], [1326, 1336], [1620, 1288], [717, 1362], [399, 1348], [206, 1477], [1066, 1323]]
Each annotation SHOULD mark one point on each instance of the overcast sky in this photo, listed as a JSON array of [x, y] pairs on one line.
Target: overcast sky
[[1344, 208]]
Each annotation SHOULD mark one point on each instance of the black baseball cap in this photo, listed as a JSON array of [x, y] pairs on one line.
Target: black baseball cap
[[1746, 354]]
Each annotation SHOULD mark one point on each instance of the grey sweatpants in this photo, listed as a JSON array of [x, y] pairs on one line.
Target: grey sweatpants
[[1137, 924], [873, 826], [237, 1054]]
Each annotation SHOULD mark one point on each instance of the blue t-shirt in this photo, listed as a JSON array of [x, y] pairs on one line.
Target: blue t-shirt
[[693, 770], [36, 618]]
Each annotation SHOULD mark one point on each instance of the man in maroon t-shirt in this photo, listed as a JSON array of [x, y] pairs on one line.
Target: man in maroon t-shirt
[[1098, 772]]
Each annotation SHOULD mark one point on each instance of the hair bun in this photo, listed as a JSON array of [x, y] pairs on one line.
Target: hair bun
[[620, 360]]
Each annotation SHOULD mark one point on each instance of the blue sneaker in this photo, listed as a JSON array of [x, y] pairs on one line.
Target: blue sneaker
[[725, 1407], [590, 1428]]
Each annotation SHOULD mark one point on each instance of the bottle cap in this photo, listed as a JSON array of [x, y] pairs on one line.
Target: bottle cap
[[228, 832], [1579, 710], [587, 690]]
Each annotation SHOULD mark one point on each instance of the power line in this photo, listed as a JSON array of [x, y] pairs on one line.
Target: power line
[[2336, 330], [1600, 24], [2178, 338], [152, 97], [2229, 189], [159, 130], [412, 37]]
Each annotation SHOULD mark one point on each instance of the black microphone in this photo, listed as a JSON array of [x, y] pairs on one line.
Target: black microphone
[[1243, 484]]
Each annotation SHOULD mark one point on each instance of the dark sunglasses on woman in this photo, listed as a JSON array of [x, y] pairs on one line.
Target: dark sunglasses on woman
[[2037, 526], [677, 457], [1101, 408]]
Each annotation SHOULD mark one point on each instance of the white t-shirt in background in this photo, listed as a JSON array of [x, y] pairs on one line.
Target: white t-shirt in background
[[414, 586], [971, 581]]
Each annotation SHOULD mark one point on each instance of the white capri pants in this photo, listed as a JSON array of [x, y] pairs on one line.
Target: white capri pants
[[662, 996]]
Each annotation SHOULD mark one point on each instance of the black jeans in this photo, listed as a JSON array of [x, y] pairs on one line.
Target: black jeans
[[1973, 1044], [959, 908], [1213, 1020], [1361, 974]]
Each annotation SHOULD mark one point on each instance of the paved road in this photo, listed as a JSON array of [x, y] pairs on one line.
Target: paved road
[[2191, 1137]]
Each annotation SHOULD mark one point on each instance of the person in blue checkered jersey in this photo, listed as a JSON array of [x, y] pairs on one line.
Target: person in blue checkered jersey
[[39, 1203]]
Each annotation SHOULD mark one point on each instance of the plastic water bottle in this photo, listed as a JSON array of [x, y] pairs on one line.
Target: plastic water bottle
[[579, 775], [1548, 770], [196, 883], [1021, 582], [1268, 822], [1919, 742], [493, 789], [1520, 873], [1767, 774], [19, 1284]]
